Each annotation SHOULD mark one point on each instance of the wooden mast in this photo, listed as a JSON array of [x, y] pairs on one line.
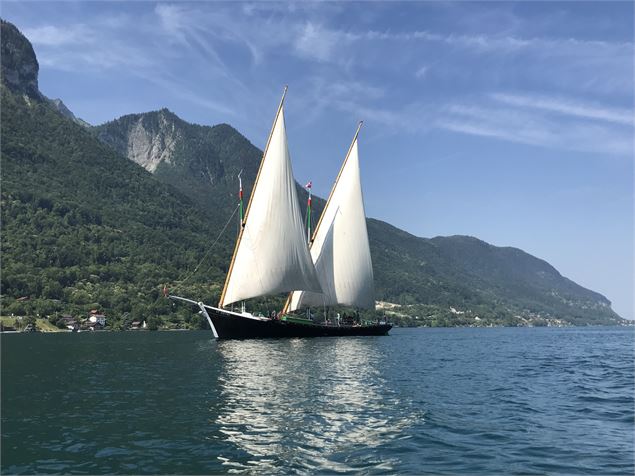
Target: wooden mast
[[242, 225], [317, 227]]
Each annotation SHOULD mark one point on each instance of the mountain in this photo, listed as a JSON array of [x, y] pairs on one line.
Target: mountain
[[443, 272], [202, 162], [102, 217]]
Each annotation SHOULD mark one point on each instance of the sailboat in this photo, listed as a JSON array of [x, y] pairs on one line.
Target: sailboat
[[272, 255]]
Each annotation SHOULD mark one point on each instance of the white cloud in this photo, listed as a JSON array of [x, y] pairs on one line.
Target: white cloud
[[315, 42], [421, 72], [181, 90], [494, 43], [173, 19], [529, 126], [50, 35], [99, 57], [568, 107]]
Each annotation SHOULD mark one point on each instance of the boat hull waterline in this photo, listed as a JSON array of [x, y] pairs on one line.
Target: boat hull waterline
[[232, 325]]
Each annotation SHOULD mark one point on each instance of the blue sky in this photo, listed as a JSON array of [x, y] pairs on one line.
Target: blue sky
[[511, 122]]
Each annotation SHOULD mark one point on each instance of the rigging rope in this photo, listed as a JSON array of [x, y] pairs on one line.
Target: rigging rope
[[180, 282]]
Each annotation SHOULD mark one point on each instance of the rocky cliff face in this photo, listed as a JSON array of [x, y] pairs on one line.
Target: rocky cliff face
[[149, 147], [147, 139], [203, 162], [19, 64]]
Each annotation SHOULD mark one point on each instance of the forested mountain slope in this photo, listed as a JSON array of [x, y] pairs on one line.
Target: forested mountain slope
[[82, 226]]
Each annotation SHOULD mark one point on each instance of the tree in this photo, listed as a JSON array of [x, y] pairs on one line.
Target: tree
[[153, 323], [30, 320]]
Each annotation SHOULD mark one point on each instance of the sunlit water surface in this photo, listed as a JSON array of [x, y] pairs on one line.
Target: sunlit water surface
[[458, 401]]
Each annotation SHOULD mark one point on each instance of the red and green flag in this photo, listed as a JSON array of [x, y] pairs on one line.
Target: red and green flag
[[240, 198]]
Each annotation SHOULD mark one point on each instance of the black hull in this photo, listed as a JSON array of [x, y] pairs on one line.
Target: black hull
[[229, 325]]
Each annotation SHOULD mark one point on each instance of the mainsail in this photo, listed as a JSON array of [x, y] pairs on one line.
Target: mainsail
[[271, 254], [340, 248]]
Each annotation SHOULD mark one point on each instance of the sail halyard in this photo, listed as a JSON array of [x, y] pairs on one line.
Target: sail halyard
[[341, 252], [271, 254]]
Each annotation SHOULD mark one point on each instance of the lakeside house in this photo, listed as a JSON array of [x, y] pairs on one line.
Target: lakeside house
[[88, 325], [138, 325], [7, 328], [69, 322], [97, 317]]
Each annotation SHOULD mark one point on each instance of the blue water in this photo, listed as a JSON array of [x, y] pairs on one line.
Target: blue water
[[436, 401]]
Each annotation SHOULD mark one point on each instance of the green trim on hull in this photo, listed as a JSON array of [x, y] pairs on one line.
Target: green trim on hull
[[297, 320]]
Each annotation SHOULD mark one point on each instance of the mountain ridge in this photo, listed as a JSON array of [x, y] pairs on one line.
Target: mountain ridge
[[65, 111]]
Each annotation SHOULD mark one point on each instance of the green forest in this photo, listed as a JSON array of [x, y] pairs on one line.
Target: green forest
[[84, 228]]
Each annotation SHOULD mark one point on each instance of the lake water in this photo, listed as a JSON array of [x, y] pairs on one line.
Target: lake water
[[440, 401]]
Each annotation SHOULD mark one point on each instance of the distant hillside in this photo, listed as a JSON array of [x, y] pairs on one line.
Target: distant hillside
[[498, 284], [84, 227]]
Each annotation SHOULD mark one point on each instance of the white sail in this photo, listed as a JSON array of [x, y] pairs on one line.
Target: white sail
[[340, 248], [271, 255]]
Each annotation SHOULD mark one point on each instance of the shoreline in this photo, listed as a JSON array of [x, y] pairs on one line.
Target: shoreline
[[63, 331]]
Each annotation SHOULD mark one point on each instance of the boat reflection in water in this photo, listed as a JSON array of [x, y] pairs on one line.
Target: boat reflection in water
[[316, 404]]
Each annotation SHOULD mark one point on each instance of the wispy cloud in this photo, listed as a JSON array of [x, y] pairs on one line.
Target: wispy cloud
[[535, 127], [351, 69], [182, 90], [174, 20], [51, 35], [80, 46], [421, 72], [182, 25], [98, 57], [482, 43], [315, 42], [568, 107]]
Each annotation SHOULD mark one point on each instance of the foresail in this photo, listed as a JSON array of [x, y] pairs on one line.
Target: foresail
[[272, 255], [340, 249]]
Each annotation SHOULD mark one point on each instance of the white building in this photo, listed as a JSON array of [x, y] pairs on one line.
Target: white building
[[97, 317]]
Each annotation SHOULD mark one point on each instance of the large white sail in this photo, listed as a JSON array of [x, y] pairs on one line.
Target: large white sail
[[340, 248], [271, 255]]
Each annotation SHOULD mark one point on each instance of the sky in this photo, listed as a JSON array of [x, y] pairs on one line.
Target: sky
[[511, 122]]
